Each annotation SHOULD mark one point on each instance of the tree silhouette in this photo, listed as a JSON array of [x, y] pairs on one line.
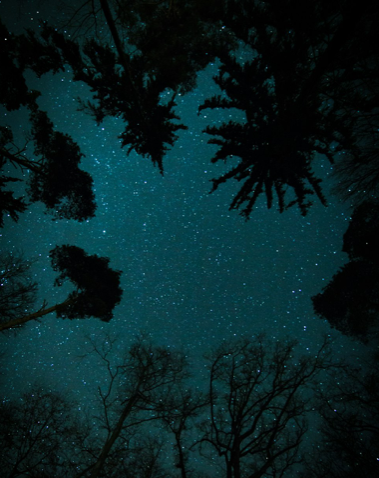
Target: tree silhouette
[[37, 434], [9, 204], [55, 178], [122, 88], [175, 39], [151, 421], [359, 240], [289, 93], [17, 291], [350, 301], [97, 287], [181, 414], [327, 104], [349, 444], [138, 391], [258, 401]]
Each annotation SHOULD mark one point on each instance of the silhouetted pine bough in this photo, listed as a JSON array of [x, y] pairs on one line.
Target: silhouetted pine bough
[[55, 177], [308, 88]]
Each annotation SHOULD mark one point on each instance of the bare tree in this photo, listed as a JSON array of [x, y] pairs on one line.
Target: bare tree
[[36, 435], [349, 445], [259, 396], [137, 392], [17, 289], [181, 416]]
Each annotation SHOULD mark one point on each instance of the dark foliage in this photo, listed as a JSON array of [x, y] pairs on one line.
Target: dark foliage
[[350, 302], [275, 145], [13, 89], [176, 39], [56, 178], [360, 241], [289, 92], [58, 182], [9, 205], [97, 285], [122, 88]]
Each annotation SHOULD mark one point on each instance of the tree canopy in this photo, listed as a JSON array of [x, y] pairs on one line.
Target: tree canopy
[[350, 301], [55, 176], [291, 91], [97, 288], [295, 72]]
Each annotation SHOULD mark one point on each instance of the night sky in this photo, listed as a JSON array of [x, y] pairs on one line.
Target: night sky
[[194, 273]]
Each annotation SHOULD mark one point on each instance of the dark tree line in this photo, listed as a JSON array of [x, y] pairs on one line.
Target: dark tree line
[[51, 159], [248, 419], [297, 98], [310, 87]]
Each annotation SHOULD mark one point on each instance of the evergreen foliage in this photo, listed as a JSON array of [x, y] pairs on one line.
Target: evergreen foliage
[[292, 108], [97, 286], [350, 302], [55, 178]]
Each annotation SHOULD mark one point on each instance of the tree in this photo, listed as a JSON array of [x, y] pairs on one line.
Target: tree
[[97, 287], [122, 88], [55, 176], [259, 396], [175, 39], [359, 240], [349, 444], [251, 423], [17, 290], [328, 105], [138, 391], [37, 436], [181, 415], [350, 301], [151, 50], [355, 93], [8, 203], [290, 117]]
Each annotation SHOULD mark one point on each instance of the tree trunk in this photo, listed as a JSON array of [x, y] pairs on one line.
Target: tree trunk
[[181, 463], [94, 471], [36, 315]]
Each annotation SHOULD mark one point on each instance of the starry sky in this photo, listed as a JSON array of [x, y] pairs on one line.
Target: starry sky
[[194, 273]]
